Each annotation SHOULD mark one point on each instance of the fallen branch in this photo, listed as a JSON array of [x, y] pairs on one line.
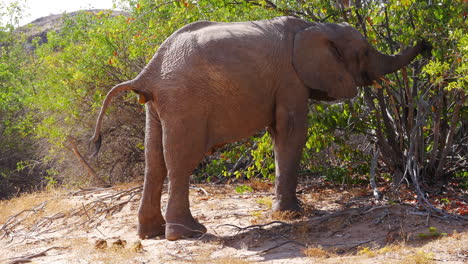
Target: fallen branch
[[282, 244], [74, 148], [28, 258], [239, 229], [90, 215], [15, 220]]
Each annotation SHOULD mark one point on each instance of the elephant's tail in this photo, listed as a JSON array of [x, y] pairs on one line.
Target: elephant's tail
[[96, 139]]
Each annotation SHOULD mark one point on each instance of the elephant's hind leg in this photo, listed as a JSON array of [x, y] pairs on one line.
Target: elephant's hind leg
[[184, 147], [151, 221]]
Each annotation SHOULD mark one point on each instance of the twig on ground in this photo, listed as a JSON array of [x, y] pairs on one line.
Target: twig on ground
[[386, 214], [89, 215], [91, 190], [360, 244], [282, 244], [15, 220], [357, 211], [239, 229], [28, 258]]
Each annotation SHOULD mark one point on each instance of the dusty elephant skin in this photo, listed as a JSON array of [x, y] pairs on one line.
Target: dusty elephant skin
[[213, 83]]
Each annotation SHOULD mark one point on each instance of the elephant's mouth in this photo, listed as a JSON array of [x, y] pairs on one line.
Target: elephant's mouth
[[366, 79], [320, 95]]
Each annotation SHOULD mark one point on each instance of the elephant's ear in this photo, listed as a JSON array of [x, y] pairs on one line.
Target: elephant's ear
[[320, 63]]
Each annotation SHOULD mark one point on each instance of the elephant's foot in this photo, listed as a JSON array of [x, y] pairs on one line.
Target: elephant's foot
[[151, 227], [179, 230], [289, 205]]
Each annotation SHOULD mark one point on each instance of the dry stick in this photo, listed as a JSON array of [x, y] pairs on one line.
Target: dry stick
[[13, 221], [83, 162], [239, 229], [90, 190], [45, 221], [28, 258], [304, 245], [360, 243], [360, 211], [282, 244], [103, 205]]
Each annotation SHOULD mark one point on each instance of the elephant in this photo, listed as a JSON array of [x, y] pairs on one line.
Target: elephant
[[213, 83]]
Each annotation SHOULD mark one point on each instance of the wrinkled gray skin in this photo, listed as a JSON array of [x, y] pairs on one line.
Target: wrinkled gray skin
[[214, 83]]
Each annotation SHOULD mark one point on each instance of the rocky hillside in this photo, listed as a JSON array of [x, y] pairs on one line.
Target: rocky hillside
[[41, 26]]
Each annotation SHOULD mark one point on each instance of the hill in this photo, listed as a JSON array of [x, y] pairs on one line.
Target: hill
[[41, 26]]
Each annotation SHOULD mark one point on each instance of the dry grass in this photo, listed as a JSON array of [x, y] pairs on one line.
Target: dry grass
[[284, 215], [367, 252], [16, 205], [315, 252], [420, 257], [266, 201], [115, 254], [260, 185], [258, 217], [390, 248]]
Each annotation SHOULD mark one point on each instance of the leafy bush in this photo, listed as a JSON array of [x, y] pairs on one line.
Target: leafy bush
[[49, 98]]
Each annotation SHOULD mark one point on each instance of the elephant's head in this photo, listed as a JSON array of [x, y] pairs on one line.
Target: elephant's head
[[333, 59]]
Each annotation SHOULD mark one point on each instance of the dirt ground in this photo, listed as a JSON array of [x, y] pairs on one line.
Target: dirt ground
[[340, 225]]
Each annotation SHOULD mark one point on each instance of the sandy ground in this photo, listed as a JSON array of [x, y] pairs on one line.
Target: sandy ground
[[339, 226]]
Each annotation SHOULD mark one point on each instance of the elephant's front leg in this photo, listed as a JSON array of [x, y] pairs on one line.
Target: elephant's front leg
[[289, 135], [151, 221]]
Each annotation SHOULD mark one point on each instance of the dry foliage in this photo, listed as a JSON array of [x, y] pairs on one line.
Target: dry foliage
[[315, 252], [33, 205]]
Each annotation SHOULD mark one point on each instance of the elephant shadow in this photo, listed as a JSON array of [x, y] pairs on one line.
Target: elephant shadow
[[336, 233]]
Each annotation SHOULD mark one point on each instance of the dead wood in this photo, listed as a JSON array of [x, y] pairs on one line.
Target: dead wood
[[74, 148], [240, 229], [28, 258], [282, 244], [89, 215]]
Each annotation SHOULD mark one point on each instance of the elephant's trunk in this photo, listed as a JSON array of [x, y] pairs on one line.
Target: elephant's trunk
[[384, 64]]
